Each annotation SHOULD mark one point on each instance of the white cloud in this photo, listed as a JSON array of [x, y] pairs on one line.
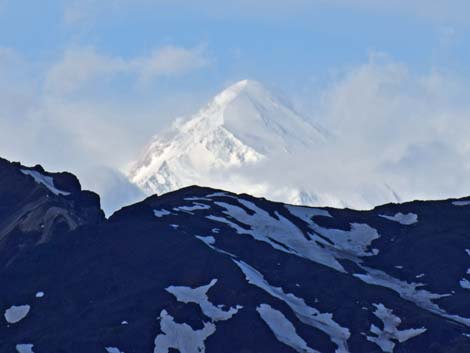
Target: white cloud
[[79, 66], [395, 130], [168, 61], [76, 115], [395, 127], [84, 65]]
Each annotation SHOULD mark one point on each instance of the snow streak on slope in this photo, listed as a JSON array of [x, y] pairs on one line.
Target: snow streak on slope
[[15, 314], [385, 337], [283, 329], [199, 296], [305, 313], [405, 219], [181, 336], [45, 180], [327, 249]]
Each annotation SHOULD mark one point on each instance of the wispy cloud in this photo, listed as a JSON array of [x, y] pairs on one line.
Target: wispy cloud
[[398, 128], [395, 132], [394, 126], [169, 61], [84, 65], [76, 114]]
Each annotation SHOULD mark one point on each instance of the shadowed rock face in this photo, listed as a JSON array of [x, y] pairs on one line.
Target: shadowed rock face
[[36, 206], [203, 270]]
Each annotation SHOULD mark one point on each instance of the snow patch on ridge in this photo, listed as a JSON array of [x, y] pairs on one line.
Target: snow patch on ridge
[[275, 232], [306, 214], [323, 246], [45, 180], [113, 350], [181, 336], [405, 219], [385, 337], [210, 241], [305, 313], [15, 314], [24, 348], [355, 241], [465, 283], [283, 329], [195, 207], [409, 292], [161, 213], [199, 296], [461, 203], [354, 244]]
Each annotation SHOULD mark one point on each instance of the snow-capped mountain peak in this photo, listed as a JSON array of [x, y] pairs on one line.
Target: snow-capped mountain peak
[[243, 125], [229, 94], [257, 118]]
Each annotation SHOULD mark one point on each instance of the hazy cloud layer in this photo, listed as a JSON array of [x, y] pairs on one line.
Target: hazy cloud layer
[[397, 135], [393, 128], [86, 111], [84, 65]]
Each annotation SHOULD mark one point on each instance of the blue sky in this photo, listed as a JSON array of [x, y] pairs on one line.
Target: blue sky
[[85, 84], [273, 41]]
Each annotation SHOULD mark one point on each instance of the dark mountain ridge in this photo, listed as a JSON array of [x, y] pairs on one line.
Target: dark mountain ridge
[[203, 270], [33, 212]]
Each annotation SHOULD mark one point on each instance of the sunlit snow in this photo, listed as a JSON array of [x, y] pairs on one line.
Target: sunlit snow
[[15, 314], [465, 283], [181, 337], [305, 313], [275, 232], [45, 180], [283, 329], [385, 338], [113, 350], [24, 348], [405, 219], [195, 207], [161, 213], [411, 292], [199, 296], [461, 203]]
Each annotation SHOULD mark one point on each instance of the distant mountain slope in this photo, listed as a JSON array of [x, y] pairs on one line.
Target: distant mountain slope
[[204, 270]]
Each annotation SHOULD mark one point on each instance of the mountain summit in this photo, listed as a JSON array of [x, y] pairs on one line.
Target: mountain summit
[[242, 127], [259, 119]]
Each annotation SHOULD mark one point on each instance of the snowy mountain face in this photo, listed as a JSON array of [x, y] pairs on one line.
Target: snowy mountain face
[[204, 270], [243, 128]]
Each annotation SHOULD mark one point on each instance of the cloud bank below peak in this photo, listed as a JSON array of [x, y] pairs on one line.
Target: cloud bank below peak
[[392, 129], [393, 126]]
